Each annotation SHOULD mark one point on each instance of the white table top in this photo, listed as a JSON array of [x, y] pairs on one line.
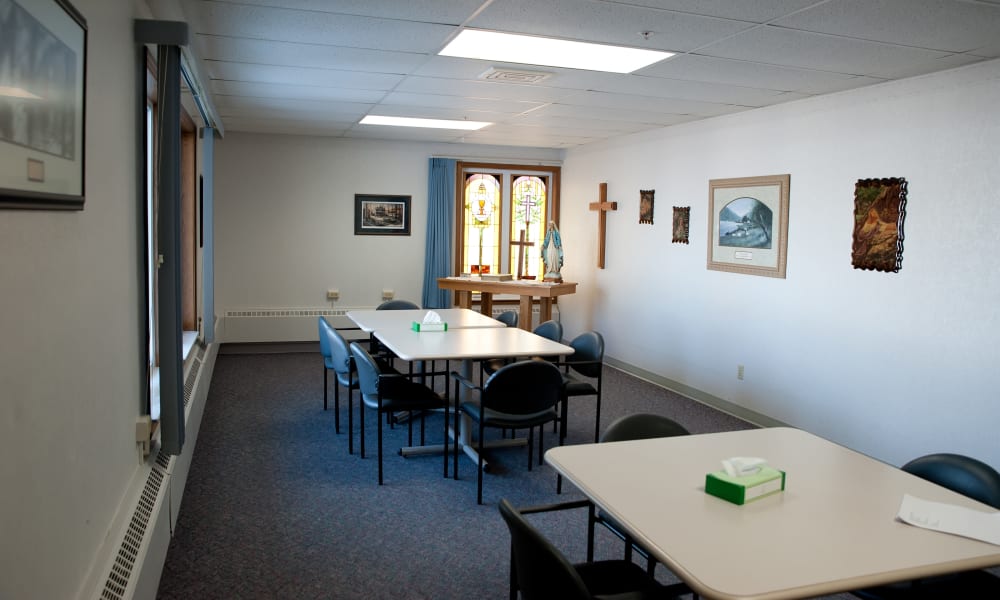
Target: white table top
[[456, 318], [466, 344], [833, 529]]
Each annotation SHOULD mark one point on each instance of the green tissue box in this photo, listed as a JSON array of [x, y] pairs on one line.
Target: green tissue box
[[430, 326], [740, 490]]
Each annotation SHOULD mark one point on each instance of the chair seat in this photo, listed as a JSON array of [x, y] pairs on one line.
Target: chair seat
[[493, 418], [607, 578], [578, 387], [402, 395]]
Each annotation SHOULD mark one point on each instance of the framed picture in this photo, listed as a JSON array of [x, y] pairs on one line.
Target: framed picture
[[682, 223], [646, 206], [748, 225], [43, 59], [381, 215], [879, 211]]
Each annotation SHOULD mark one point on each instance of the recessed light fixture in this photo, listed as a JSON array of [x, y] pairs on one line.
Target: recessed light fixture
[[414, 122], [535, 50]]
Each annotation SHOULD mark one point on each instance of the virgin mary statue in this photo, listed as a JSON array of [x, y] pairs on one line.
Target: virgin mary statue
[[552, 253]]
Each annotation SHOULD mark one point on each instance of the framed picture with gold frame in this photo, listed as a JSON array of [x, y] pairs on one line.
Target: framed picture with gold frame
[[748, 225]]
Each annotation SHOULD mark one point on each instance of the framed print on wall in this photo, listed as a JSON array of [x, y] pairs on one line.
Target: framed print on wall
[[43, 59], [381, 215], [748, 225]]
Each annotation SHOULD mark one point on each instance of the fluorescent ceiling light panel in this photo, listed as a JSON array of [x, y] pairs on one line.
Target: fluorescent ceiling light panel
[[534, 50], [414, 122]]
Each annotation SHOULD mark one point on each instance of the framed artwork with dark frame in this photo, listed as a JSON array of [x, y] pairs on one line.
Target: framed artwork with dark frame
[[43, 72], [646, 206], [879, 211], [682, 224], [748, 225], [381, 215]]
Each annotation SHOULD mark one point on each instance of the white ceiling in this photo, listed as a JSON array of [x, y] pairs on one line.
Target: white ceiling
[[318, 66]]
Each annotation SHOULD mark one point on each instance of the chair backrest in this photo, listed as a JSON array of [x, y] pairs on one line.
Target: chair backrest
[[551, 329], [397, 305], [368, 370], [508, 318], [589, 348], [642, 426], [963, 474], [324, 338], [523, 388], [542, 571], [340, 353]]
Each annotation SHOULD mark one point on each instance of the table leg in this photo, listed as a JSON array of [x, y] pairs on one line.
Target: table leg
[[544, 309], [486, 303], [463, 298], [524, 313]]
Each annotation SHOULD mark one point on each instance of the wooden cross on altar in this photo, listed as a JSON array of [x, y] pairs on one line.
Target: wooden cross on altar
[[520, 252], [602, 206]]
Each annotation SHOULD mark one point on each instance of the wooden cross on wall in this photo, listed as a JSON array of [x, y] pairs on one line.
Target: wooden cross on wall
[[521, 253], [602, 206]]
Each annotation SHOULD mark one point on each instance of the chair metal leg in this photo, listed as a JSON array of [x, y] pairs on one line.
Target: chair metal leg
[[513, 573], [541, 440], [531, 444], [558, 483], [479, 475], [380, 442], [444, 437], [336, 405], [325, 371], [458, 417], [591, 521], [361, 420], [350, 419]]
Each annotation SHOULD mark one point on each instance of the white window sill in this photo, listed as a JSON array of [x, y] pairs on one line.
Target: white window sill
[[189, 338]]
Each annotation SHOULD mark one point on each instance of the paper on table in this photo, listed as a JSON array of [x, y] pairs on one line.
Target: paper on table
[[950, 518]]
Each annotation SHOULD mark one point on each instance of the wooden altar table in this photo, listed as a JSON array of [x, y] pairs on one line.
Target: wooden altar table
[[527, 290]]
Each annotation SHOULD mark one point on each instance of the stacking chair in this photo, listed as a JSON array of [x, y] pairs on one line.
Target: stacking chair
[[540, 571], [521, 394], [389, 392], [397, 305], [324, 350], [638, 426], [587, 361], [551, 330], [972, 478], [508, 318]]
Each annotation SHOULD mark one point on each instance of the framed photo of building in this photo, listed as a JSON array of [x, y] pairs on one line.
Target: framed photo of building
[[748, 225], [381, 215], [43, 58]]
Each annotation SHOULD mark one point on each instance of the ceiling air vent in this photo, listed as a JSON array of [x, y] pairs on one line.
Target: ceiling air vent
[[503, 75]]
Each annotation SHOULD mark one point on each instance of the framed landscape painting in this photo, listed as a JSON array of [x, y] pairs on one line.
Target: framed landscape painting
[[381, 215], [43, 58], [748, 225]]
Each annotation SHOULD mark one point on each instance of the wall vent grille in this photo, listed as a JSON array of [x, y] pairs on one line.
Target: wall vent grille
[[121, 571], [192, 376]]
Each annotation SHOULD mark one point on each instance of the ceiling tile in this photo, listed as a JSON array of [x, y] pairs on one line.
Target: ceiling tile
[[221, 87], [280, 24], [480, 89], [439, 11], [936, 24], [297, 76], [596, 21], [294, 54], [786, 47], [758, 11], [650, 103], [454, 102]]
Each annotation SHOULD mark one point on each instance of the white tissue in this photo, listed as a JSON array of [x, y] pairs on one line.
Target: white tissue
[[741, 466], [432, 318]]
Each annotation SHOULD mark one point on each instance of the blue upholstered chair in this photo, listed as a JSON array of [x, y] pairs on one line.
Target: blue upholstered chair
[[583, 376], [389, 392], [519, 395]]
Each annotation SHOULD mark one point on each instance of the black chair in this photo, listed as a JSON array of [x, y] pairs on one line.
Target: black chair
[[541, 572], [397, 305], [521, 394], [391, 392], [587, 361], [377, 349], [967, 476], [638, 426]]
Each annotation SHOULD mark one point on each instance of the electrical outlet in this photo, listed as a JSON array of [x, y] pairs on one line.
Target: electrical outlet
[[332, 294], [388, 294], [739, 372]]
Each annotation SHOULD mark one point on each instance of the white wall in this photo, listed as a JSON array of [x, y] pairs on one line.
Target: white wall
[[285, 218], [893, 365], [68, 359]]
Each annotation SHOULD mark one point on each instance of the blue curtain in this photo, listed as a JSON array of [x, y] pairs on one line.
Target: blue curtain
[[440, 212]]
